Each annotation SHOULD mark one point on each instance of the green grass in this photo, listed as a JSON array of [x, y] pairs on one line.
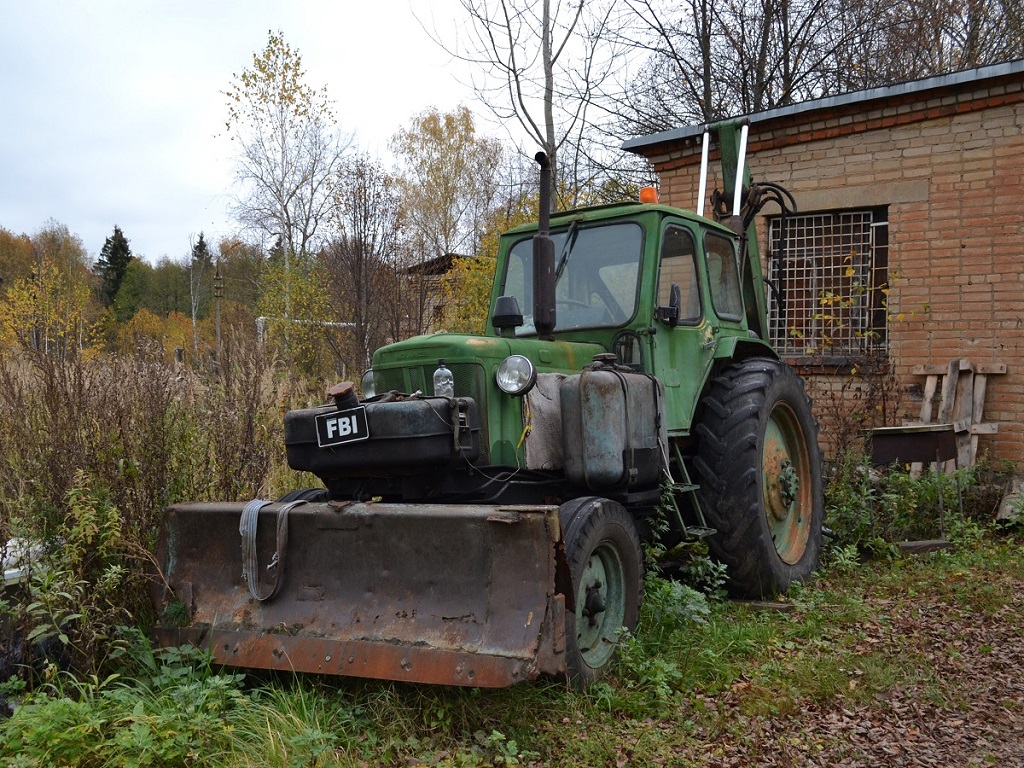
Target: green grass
[[720, 675]]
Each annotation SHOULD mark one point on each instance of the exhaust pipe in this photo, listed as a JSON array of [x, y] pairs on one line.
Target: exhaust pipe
[[544, 258]]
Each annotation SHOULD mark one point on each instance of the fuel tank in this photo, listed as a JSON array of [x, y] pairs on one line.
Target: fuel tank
[[612, 428]]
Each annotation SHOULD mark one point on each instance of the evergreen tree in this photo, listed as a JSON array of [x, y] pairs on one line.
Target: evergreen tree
[[112, 265], [200, 278], [200, 272]]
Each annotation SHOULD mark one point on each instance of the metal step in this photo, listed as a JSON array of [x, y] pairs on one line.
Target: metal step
[[684, 487], [687, 487]]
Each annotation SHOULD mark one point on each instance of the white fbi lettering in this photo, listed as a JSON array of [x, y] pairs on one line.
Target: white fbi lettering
[[341, 426]]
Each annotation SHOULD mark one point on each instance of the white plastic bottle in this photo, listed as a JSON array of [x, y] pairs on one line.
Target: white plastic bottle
[[444, 381]]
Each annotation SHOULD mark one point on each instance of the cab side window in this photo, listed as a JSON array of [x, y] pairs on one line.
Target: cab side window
[[679, 266], [723, 277]]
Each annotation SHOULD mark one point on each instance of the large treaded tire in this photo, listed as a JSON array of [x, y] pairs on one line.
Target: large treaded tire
[[759, 468], [606, 563]]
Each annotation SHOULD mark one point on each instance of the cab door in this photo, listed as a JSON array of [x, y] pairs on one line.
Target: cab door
[[683, 345]]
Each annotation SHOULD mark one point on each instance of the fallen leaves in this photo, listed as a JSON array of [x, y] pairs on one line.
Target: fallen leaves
[[962, 706]]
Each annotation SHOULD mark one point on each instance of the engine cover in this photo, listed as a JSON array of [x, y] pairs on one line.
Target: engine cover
[[402, 437]]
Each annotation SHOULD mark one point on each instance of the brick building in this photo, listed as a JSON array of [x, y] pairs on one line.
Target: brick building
[[909, 243]]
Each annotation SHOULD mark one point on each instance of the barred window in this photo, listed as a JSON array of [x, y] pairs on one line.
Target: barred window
[[829, 281]]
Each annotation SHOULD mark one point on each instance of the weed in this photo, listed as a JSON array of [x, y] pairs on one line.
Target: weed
[[94, 448], [849, 398], [871, 510], [844, 559], [174, 712], [697, 672], [298, 722], [707, 576]]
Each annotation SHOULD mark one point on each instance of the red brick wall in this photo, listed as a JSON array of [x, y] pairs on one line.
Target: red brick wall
[[949, 164]]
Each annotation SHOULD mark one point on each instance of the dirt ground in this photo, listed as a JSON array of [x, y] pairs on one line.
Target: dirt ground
[[967, 709]]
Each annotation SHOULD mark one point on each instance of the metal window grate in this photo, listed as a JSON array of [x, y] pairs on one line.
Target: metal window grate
[[829, 284]]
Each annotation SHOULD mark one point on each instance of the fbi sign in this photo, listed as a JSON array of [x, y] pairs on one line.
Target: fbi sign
[[341, 427]]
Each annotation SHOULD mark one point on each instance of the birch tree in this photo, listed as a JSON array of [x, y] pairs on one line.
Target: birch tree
[[290, 148], [448, 179]]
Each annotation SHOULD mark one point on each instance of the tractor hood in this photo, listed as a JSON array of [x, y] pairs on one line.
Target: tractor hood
[[488, 351], [408, 367]]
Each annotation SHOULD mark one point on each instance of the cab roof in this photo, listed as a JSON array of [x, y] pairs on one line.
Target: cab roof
[[610, 211]]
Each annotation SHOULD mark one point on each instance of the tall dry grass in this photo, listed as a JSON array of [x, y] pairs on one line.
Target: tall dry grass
[[93, 447]]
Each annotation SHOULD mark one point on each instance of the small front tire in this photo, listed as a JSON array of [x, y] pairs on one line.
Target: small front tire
[[606, 564]]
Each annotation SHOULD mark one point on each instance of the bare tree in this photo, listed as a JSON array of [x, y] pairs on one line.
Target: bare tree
[[540, 65], [706, 61], [949, 35], [290, 148], [361, 259]]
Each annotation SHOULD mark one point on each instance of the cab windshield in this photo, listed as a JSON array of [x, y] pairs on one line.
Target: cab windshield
[[597, 276]]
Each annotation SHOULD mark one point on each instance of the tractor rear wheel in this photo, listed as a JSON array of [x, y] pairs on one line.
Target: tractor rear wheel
[[606, 564], [759, 468]]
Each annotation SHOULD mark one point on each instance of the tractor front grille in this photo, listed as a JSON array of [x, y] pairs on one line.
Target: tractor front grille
[[470, 381]]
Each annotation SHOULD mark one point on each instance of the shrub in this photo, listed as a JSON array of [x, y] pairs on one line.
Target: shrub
[[868, 508], [95, 447], [175, 711]]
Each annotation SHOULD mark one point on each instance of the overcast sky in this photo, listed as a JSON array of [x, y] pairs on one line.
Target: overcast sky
[[111, 110]]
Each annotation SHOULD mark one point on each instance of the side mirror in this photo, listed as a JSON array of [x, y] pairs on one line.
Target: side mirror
[[670, 314]]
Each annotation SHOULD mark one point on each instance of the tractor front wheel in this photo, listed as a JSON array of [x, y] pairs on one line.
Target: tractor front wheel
[[606, 564]]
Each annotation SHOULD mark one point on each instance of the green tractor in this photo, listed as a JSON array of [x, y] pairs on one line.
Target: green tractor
[[486, 500]]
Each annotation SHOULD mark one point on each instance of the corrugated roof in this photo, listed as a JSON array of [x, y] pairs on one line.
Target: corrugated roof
[[831, 102]]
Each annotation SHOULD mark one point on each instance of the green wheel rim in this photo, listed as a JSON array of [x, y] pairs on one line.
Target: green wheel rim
[[600, 605], [787, 484]]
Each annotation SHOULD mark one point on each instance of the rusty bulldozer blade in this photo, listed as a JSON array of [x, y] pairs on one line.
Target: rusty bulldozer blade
[[449, 594]]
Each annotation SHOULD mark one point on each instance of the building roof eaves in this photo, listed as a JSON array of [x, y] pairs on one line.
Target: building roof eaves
[[832, 102]]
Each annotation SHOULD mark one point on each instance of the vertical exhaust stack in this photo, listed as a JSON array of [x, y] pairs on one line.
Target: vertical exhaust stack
[[544, 258]]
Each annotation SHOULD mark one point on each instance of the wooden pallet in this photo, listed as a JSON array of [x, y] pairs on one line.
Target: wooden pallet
[[961, 385]]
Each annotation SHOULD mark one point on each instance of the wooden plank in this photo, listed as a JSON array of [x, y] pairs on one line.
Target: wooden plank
[[927, 403], [929, 370], [962, 387], [927, 406], [978, 400], [964, 447], [949, 392], [963, 410], [921, 547], [766, 605], [977, 411], [984, 429], [948, 402], [990, 368]]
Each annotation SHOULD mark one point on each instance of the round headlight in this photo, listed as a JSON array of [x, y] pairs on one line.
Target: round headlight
[[516, 375], [367, 385]]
